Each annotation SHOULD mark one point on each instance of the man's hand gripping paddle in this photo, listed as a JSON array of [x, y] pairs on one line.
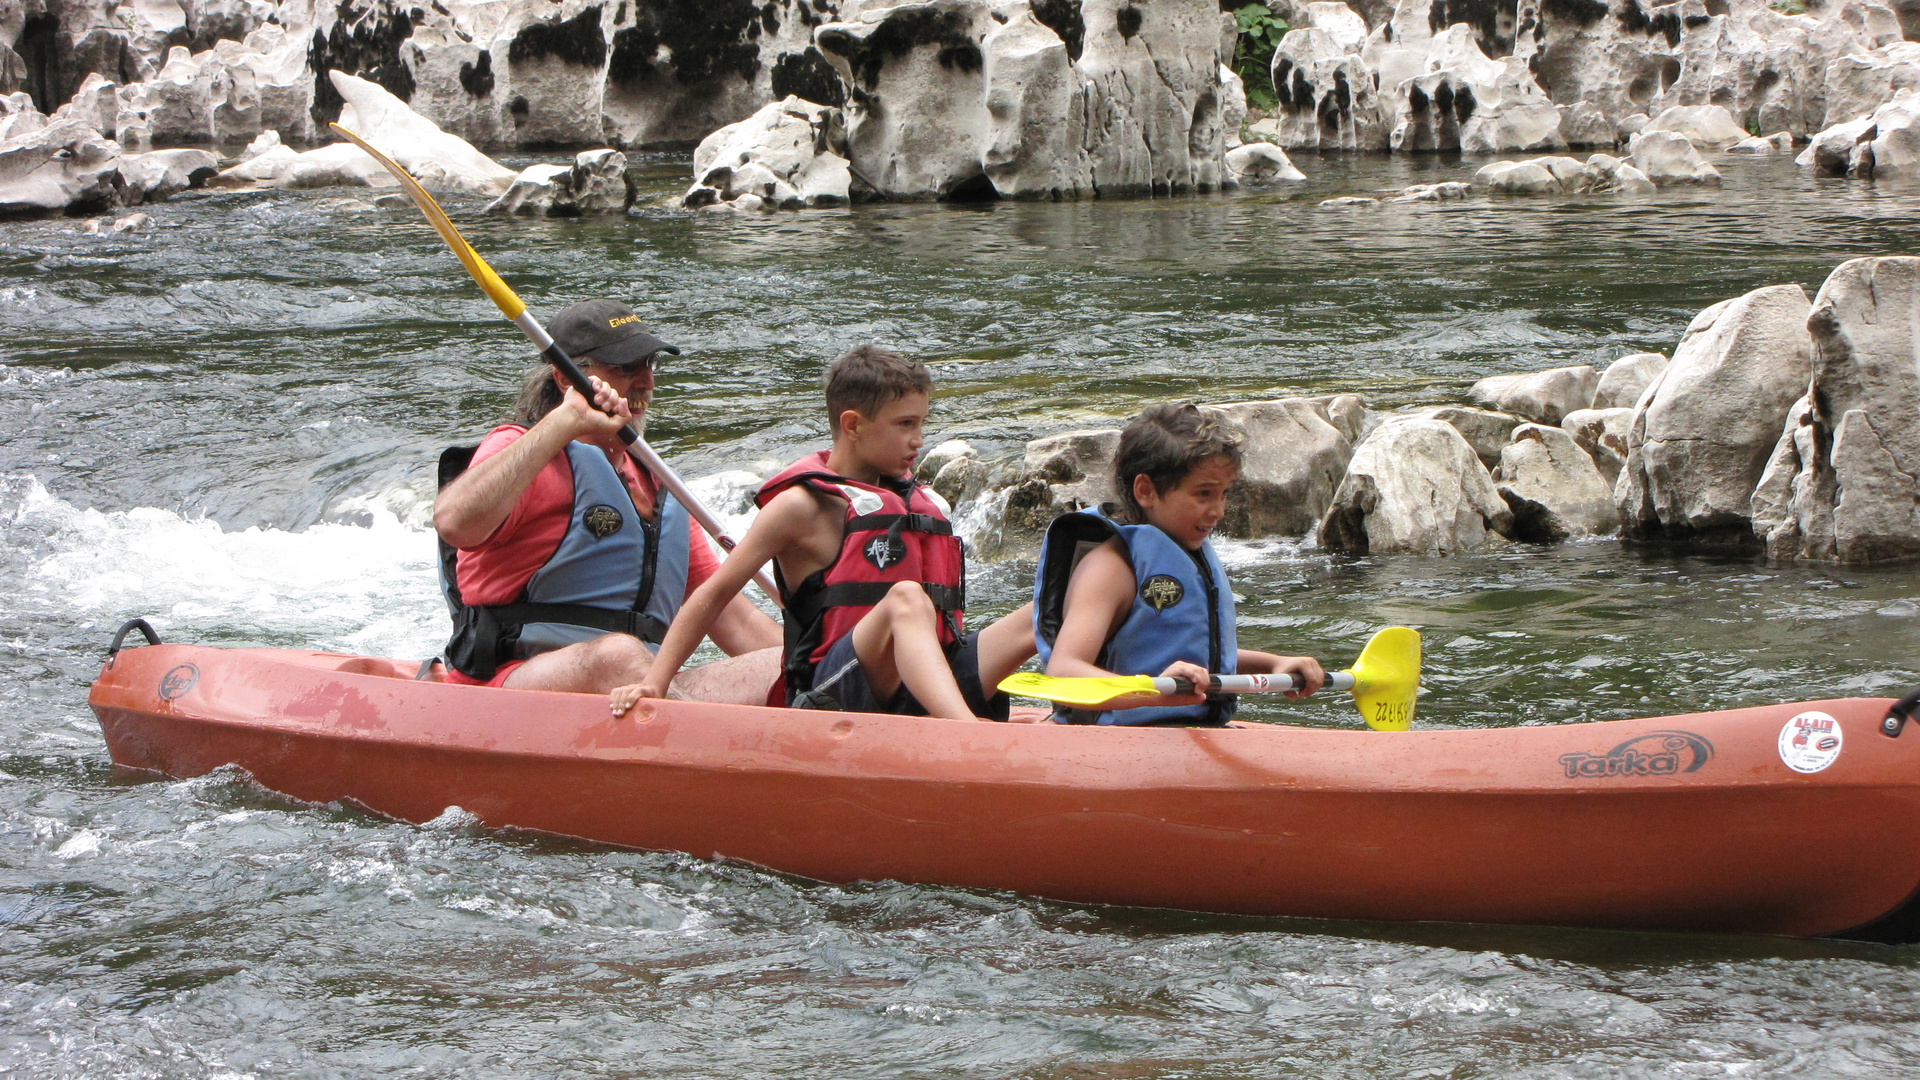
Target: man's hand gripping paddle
[[1385, 682], [511, 306]]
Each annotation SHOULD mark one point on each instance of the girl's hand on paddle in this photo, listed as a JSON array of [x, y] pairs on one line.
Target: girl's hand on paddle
[[1193, 673], [1306, 671]]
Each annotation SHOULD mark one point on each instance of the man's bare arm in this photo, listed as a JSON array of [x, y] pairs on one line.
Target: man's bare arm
[[742, 627], [473, 507]]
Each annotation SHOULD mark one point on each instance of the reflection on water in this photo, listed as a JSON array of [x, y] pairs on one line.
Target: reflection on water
[[228, 424]]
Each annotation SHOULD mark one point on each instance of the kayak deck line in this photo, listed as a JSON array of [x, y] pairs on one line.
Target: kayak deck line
[[1693, 822]]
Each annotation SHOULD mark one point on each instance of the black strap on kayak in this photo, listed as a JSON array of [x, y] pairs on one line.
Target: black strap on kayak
[[1901, 712], [426, 668], [128, 627]]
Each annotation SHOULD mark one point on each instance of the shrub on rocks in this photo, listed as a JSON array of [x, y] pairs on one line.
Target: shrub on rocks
[[1552, 487], [1843, 481], [1704, 429], [1414, 487], [1543, 396]]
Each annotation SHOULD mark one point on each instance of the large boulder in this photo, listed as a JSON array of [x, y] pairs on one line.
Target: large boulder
[[1261, 165], [1294, 458], [1602, 433], [435, 158], [1062, 473], [1705, 428], [949, 101], [1552, 487], [1542, 396], [1462, 100], [788, 155], [1414, 487], [598, 182], [1667, 157], [1487, 432], [1626, 379], [1843, 483], [1861, 82], [163, 174], [1881, 146], [64, 166], [1708, 127]]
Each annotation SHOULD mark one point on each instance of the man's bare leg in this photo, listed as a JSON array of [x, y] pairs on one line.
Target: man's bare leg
[[589, 667], [737, 680], [898, 642]]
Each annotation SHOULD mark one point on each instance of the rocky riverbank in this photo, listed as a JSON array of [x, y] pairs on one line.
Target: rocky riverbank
[[1779, 424]]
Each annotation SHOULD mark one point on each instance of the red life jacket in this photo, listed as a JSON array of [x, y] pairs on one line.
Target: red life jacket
[[895, 531]]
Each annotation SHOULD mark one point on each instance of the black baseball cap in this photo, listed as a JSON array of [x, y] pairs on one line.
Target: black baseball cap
[[607, 331]]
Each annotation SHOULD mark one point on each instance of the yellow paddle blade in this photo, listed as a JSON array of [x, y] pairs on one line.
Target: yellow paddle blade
[[1386, 679], [497, 290], [1080, 693]]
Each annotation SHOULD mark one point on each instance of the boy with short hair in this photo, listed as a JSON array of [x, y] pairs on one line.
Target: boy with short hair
[[872, 577]]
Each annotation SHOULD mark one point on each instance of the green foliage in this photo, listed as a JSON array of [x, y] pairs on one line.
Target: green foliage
[[1260, 34], [1789, 7]]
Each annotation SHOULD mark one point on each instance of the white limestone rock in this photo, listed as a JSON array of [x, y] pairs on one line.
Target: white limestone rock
[[1338, 21], [439, 161], [1062, 473], [1486, 431], [1465, 101], [1780, 142], [1414, 487], [1542, 397], [939, 457], [1843, 481], [1602, 433], [163, 174], [1881, 146], [1517, 178], [597, 182], [1583, 124], [1552, 487], [1626, 379], [1709, 128], [60, 167], [18, 116], [1326, 95], [261, 143], [1668, 158], [1860, 82], [1433, 192], [1261, 165], [1703, 431], [1233, 106], [783, 155], [1838, 150], [1294, 458]]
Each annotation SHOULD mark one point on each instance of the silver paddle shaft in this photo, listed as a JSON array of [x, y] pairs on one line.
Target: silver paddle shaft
[[1250, 684]]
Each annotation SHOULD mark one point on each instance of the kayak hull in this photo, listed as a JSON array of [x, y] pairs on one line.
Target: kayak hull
[[1671, 823]]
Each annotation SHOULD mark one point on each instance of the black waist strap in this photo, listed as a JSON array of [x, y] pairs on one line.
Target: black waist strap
[[639, 624]]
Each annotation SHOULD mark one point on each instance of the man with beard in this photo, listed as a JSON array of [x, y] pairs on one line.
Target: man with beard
[[563, 562]]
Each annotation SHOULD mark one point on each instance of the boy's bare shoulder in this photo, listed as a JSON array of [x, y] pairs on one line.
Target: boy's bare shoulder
[[798, 512]]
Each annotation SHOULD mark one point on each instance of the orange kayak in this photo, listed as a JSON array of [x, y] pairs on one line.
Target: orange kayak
[[1783, 819]]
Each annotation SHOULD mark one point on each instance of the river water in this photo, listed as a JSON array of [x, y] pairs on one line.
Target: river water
[[227, 424]]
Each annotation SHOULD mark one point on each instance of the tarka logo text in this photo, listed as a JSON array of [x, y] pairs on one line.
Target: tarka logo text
[[176, 682], [1657, 753], [884, 551]]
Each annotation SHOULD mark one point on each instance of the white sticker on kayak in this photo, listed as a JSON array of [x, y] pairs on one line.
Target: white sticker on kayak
[[1810, 742]]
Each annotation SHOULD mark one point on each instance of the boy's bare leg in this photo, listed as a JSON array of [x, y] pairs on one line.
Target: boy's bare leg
[[587, 667], [898, 642], [1005, 645], [737, 680]]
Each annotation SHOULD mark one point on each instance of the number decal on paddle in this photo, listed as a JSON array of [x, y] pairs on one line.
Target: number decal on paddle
[[1391, 712]]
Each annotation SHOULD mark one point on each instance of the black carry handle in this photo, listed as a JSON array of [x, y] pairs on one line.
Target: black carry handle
[[126, 628], [1901, 712]]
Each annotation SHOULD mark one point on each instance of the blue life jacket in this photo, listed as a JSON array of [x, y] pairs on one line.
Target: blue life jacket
[[1182, 610], [613, 572]]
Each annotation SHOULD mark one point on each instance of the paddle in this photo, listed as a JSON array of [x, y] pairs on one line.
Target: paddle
[[1385, 682], [516, 312]]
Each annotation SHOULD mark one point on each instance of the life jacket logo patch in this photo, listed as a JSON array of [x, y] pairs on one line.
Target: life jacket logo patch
[[1161, 592], [602, 521], [884, 551]]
